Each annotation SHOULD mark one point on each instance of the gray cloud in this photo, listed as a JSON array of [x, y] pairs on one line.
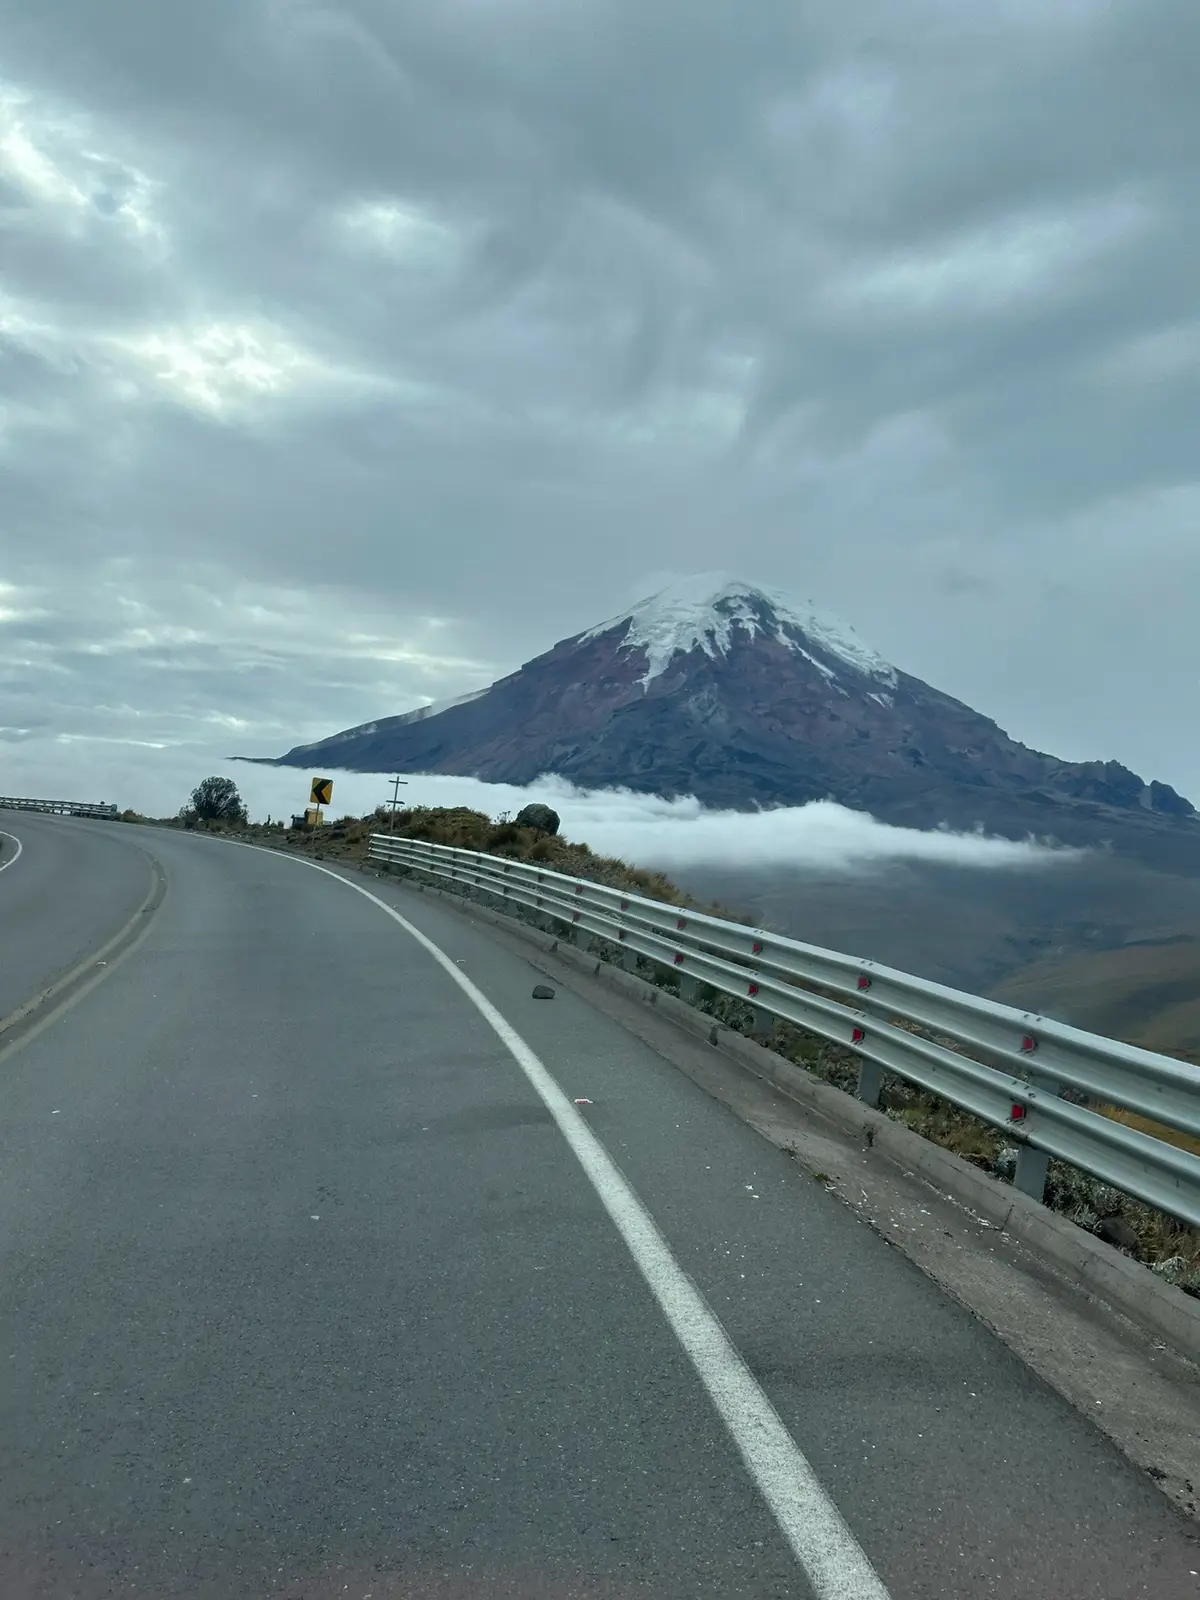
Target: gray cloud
[[350, 355]]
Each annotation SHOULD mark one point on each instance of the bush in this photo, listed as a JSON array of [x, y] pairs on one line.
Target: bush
[[215, 800]]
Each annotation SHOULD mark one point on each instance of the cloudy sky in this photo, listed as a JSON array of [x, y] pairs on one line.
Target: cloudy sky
[[353, 352]]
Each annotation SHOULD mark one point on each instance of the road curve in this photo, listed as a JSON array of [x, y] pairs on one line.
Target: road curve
[[307, 1295]]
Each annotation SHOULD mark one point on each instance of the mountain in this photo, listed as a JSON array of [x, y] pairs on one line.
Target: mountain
[[743, 698]]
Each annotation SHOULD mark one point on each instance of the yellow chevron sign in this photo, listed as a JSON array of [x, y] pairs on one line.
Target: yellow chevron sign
[[322, 792]]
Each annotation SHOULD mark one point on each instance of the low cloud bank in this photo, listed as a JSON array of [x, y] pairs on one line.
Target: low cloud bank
[[682, 833], [644, 829]]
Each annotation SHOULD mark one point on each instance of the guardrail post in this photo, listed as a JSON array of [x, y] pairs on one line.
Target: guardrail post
[[870, 1081], [1030, 1176], [689, 988], [762, 1024], [629, 959], [1032, 1163]]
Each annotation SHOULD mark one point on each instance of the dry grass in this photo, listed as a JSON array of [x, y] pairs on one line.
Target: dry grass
[[1156, 1130]]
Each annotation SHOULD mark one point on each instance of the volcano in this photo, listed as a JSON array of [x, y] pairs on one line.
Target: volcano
[[744, 698]]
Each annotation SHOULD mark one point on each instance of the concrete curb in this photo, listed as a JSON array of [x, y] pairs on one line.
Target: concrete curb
[[1086, 1262]]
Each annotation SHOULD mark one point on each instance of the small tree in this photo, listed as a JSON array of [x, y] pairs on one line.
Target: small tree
[[216, 800]]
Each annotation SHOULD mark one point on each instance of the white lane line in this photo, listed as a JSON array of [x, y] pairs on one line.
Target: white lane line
[[832, 1559], [19, 846]]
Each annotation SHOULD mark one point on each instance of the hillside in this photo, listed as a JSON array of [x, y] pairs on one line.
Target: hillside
[[1147, 992]]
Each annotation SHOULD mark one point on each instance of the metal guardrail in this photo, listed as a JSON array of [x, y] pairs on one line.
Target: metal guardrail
[[1005, 1066], [65, 808]]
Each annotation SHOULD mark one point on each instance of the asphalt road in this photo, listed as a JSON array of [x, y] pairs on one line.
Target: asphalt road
[[63, 893], [306, 1294]]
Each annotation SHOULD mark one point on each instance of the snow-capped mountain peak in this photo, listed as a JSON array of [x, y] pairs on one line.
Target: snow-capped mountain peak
[[703, 612], [755, 701]]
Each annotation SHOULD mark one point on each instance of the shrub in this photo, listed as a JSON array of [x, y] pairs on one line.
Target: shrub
[[216, 800]]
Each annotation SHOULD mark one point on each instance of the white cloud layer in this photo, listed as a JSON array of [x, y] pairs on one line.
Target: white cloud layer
[[643, 829]]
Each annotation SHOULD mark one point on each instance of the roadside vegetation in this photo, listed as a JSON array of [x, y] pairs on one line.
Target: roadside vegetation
[[1166, 1246]]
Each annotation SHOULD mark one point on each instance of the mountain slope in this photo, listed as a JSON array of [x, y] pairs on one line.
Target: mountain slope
[[738, 696]]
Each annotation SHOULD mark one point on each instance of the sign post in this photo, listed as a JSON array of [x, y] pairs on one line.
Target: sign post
[[320, 795], [397, 785]]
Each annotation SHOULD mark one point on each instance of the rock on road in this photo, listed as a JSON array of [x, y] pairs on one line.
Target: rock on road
[[306, 1294]]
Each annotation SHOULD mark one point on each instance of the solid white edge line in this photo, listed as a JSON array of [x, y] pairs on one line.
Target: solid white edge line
[[833, 1561], [20, 847]]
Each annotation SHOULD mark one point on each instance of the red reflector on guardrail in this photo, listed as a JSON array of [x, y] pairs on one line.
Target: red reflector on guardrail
[[1028, 1044], [679, 958], [857, 1036], [864, 982], [1017, 1114], [751, 988], [756, 948]]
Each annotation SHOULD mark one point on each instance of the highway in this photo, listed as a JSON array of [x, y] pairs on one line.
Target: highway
[[317, 1283]]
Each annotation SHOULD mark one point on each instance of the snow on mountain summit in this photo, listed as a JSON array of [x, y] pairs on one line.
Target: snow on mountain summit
[[703, 611]]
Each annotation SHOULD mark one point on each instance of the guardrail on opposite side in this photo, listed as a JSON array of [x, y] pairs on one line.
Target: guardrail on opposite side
[[64, 808], [1005, 1066]]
